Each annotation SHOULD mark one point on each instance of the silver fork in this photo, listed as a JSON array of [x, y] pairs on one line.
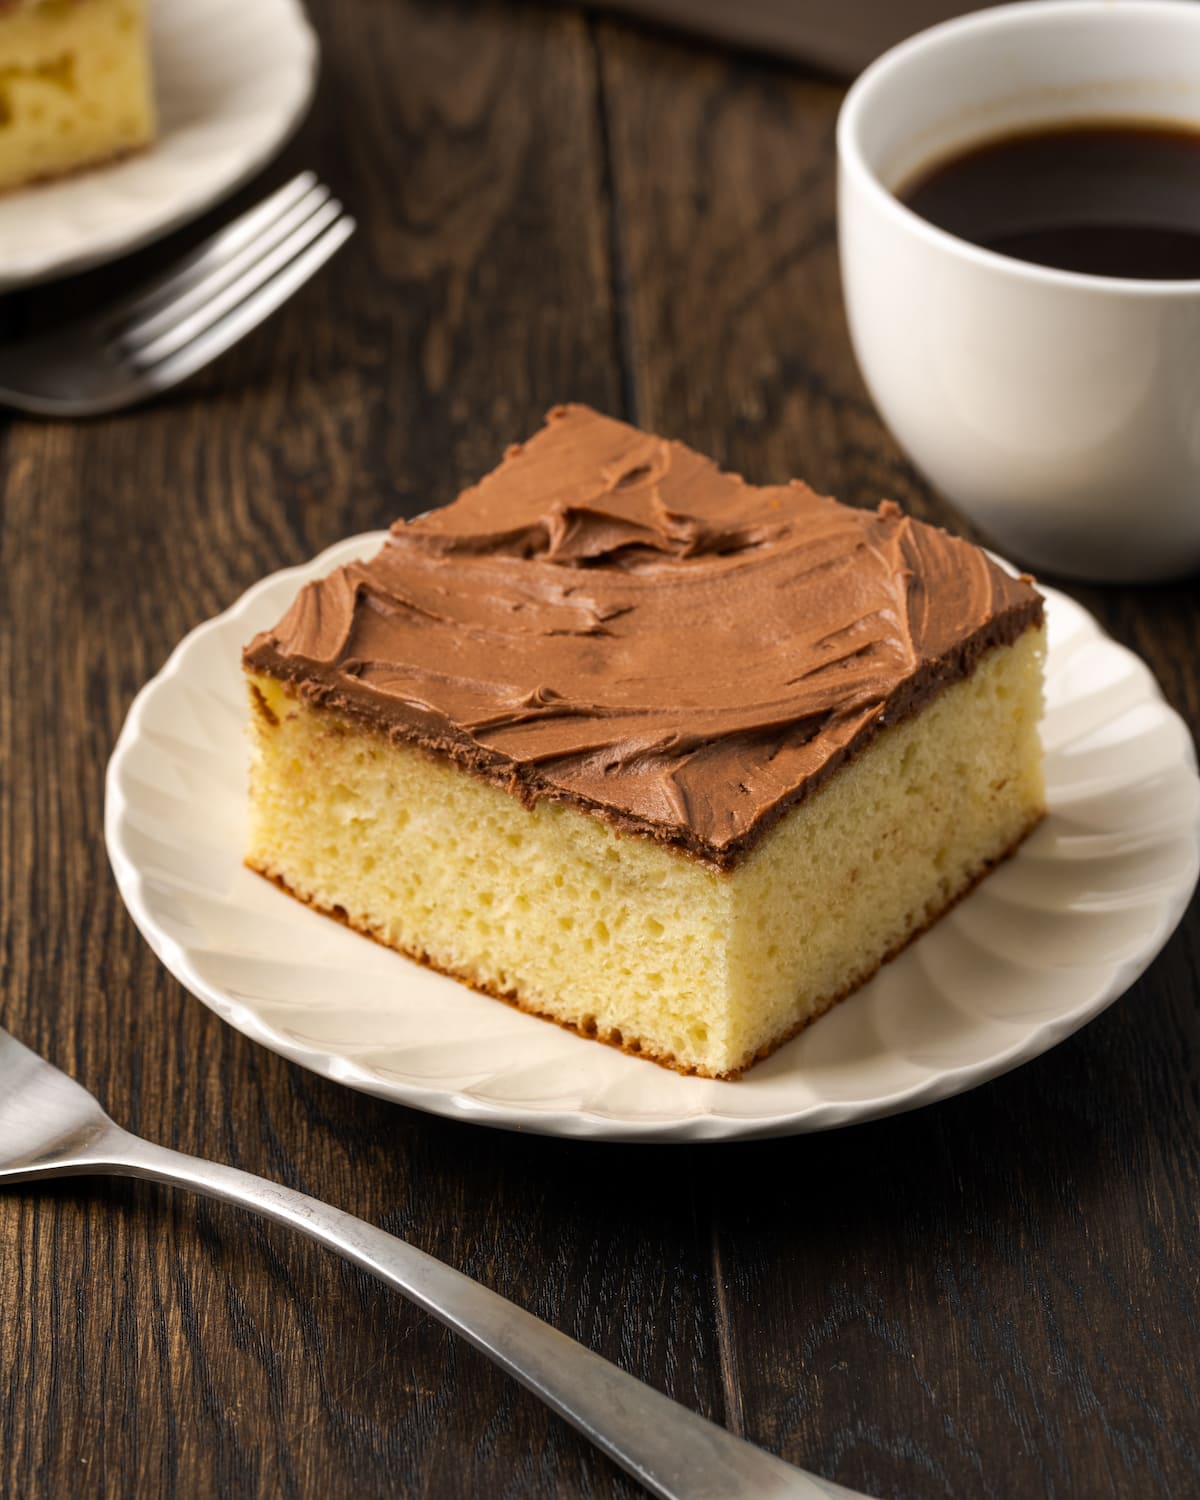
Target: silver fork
[[51, 1127], [151, 340]]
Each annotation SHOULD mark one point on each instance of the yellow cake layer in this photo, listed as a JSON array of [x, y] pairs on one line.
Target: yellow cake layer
[[629, 940], [75, 86]]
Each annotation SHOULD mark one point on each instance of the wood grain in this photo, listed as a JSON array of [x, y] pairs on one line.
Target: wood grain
[[843, 37], [996, 1296]]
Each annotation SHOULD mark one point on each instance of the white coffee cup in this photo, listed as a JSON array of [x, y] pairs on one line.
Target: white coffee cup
[[1060, 411]]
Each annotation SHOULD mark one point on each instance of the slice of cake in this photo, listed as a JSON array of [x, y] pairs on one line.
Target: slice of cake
[[670, 759], [75, 85]]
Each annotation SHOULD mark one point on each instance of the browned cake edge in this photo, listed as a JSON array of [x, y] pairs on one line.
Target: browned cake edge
[[77, 169], [634, 1046]]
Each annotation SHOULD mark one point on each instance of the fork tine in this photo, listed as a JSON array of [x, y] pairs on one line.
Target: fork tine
[[257, 274], [206, 282], [209, 254], [248, 314]]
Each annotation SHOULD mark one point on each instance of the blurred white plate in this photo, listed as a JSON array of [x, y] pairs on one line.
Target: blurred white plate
[[1043, 945], [233, 79]]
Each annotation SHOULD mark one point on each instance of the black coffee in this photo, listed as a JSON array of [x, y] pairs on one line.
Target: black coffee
[[1106, 198]]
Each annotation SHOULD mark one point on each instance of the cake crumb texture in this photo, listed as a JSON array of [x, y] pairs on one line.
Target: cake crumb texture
[[75, 86], [625, 938]]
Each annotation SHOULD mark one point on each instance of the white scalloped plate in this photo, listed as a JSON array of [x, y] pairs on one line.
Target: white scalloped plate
[[1043, 945], [233, 79]]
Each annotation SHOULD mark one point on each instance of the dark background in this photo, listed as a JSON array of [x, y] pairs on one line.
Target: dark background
[[996, 1296]]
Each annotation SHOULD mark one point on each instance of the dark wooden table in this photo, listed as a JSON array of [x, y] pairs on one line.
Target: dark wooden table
[[993, 1297]]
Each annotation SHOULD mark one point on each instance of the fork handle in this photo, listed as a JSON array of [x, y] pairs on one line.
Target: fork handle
[[674, 1452]]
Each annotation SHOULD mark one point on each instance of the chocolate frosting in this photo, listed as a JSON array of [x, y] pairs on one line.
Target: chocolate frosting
[[610, 620]]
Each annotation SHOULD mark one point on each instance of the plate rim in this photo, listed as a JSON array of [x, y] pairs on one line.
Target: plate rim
[[706, 1126], [36, 266]]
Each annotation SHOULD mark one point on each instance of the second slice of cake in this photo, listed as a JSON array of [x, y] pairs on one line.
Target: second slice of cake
[[668, 758], [75, 85]]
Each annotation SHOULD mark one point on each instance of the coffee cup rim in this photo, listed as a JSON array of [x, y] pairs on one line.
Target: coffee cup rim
[[854, 165]]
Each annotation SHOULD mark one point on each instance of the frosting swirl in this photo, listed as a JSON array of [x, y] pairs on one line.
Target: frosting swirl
[[609, 619]]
